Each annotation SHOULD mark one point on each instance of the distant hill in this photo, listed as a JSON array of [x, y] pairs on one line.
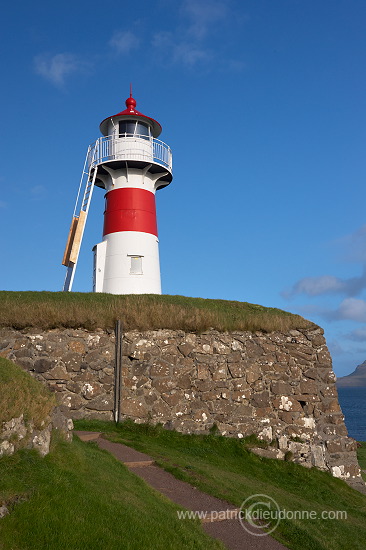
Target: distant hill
[[357, 378]]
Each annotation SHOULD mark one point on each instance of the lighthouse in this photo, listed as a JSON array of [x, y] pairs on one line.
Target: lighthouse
[[130, 164]]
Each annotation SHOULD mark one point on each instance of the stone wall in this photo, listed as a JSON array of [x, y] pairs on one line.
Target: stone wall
[[278, 386], [19, 433]]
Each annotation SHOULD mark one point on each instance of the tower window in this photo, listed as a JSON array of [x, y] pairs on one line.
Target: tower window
[[132, 128], [136, 265]]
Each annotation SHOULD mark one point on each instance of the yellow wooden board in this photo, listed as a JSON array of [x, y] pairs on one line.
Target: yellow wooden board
[[74, 239]]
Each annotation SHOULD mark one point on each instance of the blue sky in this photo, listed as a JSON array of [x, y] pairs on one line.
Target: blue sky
[[263, 105]]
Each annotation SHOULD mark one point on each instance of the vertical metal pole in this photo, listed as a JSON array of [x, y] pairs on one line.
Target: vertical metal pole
[[118, 372]]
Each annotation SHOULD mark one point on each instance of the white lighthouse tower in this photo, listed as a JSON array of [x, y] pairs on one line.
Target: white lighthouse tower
[[131, 164]]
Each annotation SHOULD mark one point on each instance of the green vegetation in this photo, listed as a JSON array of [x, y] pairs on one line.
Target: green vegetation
[[225, 468], [22, 394], [47, 310], [80, 498], [361, 453]]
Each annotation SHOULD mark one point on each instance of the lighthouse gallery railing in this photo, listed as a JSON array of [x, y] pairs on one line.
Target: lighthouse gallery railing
[[129, 147]]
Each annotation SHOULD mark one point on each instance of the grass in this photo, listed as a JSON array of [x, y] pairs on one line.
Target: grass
[[361, 453], [22, 394], [225, 468], [48, 310], [80, 498]]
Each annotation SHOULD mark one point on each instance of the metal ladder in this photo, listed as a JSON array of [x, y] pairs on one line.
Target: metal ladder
[[71, 256]]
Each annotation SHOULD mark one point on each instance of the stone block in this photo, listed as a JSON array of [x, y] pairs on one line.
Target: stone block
[[334, 446], [287, 417], [324, 357], [91, 390], [57, 373], [239, 384], [334, 418], [224, 407], [184, 381], [72, 361], [238, 370], [312, 373], [350, 444], [260, 399], [271, 452], [23, 352], [185, 348], [281, 388], [234, 357], [203, 385], [241, 395], [263, 412], [25, 363], [141, 381], [173, 359], [240, 410], [253, 349], [308, 387], [329, 391], [211, 395], [201, 348], [164, 385], [134, 407], [160, 368], [221, 348], [259, 386], [41, 441], [287, 403], [150, 398], [161, 410], [201, 416], [203, 372], [77, 346], [102, 403], [282, 357], [220, 373], [140, 369], [173, 398], [107, 379], [268, 347], [331, 406], [253, 373], [184, 366], [43, 365]]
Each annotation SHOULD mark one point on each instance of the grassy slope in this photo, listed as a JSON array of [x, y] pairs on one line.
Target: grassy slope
[[225, 468], [21, 394], [361, 453], [146, 312], [80, 498]]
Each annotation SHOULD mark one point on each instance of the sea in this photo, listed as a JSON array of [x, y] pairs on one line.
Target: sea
[[353, 405]]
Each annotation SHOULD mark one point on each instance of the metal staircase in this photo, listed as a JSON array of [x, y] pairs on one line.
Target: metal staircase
[[77, 227]]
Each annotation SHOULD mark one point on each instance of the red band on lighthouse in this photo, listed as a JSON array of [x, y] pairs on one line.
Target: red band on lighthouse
[[130, 209]]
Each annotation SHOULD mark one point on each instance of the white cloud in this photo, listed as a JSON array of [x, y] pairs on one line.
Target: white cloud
[[190, 55], [162, 39], [351, 309], [123, 42], [185, 52], [189, 44], [56, 68], [327, 284], [358, 335], [38, 191], [354, 245], [203, 15], [335, 348]]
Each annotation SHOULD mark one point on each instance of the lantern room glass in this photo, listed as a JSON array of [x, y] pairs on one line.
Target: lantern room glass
[[128, 128]]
